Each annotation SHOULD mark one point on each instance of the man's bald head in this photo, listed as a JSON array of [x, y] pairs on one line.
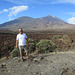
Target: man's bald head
[[20, 30]]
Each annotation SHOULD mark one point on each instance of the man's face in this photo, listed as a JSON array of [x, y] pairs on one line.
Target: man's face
[[20, 31]]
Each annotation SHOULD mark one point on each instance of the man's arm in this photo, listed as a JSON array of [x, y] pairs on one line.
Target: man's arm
[[17, 44]]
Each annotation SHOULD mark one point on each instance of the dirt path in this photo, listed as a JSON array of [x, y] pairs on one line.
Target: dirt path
[[59, 63]]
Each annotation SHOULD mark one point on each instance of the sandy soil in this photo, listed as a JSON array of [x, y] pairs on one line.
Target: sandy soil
[[56, 63]]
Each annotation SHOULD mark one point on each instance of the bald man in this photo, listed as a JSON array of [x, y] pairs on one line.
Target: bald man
[[21, 43]]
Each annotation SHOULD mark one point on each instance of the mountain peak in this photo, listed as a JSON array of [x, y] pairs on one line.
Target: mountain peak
[[53, 19], [50, 16]]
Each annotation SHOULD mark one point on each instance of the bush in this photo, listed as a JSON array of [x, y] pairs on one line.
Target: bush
[[45, 46], [32, 45], [15, 52], [31, 41], [56, 37]]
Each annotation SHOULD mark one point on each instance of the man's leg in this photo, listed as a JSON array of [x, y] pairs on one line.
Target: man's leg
[[21, 56], [28, 56], [20, 48], [26, 51]]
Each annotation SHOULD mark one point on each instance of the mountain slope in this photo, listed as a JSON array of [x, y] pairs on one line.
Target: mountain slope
[[44, 23]]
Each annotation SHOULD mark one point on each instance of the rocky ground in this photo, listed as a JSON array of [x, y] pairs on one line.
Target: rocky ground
[[55, 63]]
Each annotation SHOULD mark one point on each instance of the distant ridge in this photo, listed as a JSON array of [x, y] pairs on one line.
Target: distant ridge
[[43, 23]]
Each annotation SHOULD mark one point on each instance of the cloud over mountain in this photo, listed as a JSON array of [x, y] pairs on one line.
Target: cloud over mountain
[[13, 11], [16, 9], [71, 20], [4, 10]]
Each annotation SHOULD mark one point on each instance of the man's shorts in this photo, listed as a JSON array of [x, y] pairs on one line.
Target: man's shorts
[[23, 48]]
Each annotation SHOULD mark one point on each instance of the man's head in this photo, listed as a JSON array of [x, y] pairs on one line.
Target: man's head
[[20, 30]]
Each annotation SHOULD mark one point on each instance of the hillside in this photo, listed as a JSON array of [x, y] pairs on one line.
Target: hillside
[[43, 23]]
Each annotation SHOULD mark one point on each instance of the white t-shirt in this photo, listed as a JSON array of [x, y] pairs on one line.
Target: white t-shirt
[[21, 39]]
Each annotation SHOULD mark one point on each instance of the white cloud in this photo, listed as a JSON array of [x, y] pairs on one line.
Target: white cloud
[[64, 1], [71, 20], [4, 10], [42, 1], [17, 9], [14, 11]]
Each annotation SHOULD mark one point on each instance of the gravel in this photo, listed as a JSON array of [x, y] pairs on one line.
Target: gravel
[[55, 63]]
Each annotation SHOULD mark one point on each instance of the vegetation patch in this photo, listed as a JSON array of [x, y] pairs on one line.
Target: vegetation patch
[[56, 37], [45, 46], [32, 45], [15, 52]]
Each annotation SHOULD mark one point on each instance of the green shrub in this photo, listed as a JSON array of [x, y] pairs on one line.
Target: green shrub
[[31, 41], [32, 45], [56, 37], [15, 52], [45, 46]]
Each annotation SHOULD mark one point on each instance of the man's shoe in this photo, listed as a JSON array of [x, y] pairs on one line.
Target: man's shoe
[[29, 59]]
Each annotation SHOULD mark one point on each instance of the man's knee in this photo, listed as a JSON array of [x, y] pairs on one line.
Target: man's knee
[[26, 53]]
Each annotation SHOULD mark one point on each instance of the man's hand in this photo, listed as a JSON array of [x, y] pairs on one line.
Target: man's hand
[[17, 47], [17, 44]]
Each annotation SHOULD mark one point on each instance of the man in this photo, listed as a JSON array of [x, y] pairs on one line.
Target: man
[[21, 40]]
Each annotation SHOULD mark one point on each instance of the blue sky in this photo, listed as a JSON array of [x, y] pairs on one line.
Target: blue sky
[[13, 9]]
